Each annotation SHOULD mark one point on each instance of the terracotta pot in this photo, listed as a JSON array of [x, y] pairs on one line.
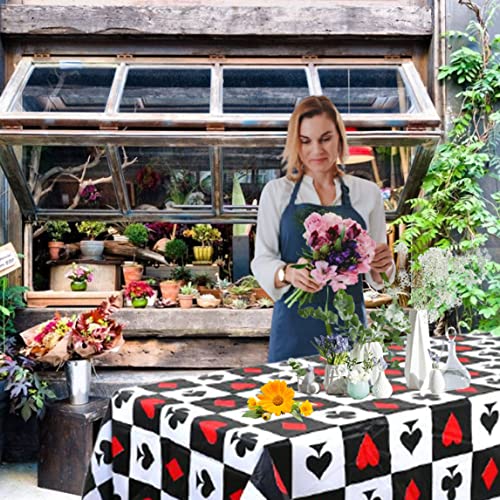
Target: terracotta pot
[[170, 290], [186, 301], [132, 272], [55, 249], [203, 254], [259, 293]]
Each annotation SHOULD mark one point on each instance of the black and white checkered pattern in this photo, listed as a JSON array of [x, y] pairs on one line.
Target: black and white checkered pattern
[[187, 438]]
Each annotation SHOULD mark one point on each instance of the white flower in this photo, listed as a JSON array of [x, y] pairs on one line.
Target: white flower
[[358, 374]]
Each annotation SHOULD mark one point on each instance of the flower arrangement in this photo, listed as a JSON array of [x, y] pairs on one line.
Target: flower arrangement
[[79, 337], [334, 349], [90, 194], [79, 273], [339, 250], [277, 398], [203, 233], [138, 290]]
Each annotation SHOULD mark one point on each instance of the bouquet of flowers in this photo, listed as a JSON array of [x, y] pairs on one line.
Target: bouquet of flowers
[[83, 336], [276, 397], [334, 348], [90, 194], [79, 273], [340, 250], [138, 290]]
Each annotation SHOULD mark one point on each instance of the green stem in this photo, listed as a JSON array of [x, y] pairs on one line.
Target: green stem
[[328, 327]]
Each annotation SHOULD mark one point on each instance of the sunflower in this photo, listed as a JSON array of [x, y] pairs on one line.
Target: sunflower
[[276, 397], [306, 408]]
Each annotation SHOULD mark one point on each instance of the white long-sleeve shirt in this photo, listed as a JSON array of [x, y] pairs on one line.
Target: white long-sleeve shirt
[[365, 199]]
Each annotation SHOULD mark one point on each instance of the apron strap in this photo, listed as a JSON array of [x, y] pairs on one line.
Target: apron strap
[[295, 192], [346, 198]]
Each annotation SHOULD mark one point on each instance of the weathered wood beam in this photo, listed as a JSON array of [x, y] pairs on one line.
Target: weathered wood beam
[[332, 20]]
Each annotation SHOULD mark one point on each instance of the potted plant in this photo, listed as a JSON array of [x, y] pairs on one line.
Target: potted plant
[[56, 229], [186, 295], [137, 234], [138, 293], [181, 274], [79, 277], [170, 290], [91, 248], [176, 251], [206, 235]]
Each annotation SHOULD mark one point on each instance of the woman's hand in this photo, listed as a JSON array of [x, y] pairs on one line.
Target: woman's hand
[[301, 278], [381, 262]]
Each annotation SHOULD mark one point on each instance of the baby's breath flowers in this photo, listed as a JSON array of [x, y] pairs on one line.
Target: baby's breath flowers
[[277, 398]]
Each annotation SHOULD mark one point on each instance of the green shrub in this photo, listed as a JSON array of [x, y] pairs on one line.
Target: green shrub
[[137, 234], [57, 229], [175, 251], [91, 228]]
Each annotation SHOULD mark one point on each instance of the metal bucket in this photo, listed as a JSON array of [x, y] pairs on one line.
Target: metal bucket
[[78, 377]]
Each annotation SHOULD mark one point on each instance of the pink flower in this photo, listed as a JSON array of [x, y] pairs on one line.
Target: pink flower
[[323, 273], [314, 222], [343, 280]]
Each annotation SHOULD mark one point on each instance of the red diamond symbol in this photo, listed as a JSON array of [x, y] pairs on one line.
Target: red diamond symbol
[[489, 474], [174, 469], [412, 492]]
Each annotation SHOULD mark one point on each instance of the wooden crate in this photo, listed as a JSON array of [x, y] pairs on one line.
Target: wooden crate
[[70, 299], [106, 275], [67, 435]]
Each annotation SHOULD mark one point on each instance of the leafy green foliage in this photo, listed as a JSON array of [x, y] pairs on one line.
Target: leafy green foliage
[[91, 228], [12, 298], [137, 234], [454, 212], [176, 251], [57, 229]]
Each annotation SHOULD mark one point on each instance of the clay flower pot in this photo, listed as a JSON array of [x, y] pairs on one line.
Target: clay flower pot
[[170, 290], [55, 249], [186, 301], [132, 272]]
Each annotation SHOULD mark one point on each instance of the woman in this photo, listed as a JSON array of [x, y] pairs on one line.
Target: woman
[[316, 142]]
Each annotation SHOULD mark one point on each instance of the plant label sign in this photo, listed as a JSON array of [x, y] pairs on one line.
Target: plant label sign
[[9, 261]]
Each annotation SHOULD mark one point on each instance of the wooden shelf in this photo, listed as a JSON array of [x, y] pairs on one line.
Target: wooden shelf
[[50, 298]]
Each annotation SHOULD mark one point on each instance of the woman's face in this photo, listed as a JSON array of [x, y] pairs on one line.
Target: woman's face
[[319, 144]]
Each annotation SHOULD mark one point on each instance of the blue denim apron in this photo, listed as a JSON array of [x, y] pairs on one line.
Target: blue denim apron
[[292, 335]]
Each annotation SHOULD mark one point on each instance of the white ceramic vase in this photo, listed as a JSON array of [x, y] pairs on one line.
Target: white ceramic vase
[[436, 381], [382, 388], [360, 352], [417, 362]]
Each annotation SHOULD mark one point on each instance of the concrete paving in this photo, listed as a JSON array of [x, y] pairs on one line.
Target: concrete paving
[[19, 482]]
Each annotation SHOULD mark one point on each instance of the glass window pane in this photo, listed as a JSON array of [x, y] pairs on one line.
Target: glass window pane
[[365, 90], [252, 168], [68, 89], [167, 90], [168, 178], [69, 177], [263, 90]]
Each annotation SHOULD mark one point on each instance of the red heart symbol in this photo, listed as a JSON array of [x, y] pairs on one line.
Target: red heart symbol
[[209, 429], [167, 385], [368, 453], [116, 447], [252, 370], [236, 495], [148, 406], [226, 403], [241, 386], [452, 433]]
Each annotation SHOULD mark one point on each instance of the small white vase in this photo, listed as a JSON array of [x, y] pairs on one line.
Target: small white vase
[[417, 362], [335, 382], [437, 384], [382, 388]]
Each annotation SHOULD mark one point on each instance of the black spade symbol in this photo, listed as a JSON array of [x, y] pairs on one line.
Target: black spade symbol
[[205, 480], [176, 416], [246, 442], [191, 393], [123, 397], [369, 495], [105, 447], [410, 440], [451, 483], [489, 419], [318, 465], [144, 453]]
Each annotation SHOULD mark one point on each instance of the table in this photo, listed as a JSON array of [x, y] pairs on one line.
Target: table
[[186, 438]]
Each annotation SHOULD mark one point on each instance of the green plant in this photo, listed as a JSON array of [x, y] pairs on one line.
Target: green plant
[[12, 298], [137, 234], [180, 273], [204, 279], [91, 228], [57, 229], [454, 212], [188, 289], [249, 281], [176, 251], [204, 233]]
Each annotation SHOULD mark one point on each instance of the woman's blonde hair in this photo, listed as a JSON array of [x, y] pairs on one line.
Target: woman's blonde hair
[[307, 108]]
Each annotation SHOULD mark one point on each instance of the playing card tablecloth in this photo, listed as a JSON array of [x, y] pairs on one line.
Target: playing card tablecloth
[[187, 438]]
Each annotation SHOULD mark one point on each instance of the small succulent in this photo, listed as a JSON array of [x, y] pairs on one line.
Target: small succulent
[[188, 289], [265, 302], [239, 304]]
